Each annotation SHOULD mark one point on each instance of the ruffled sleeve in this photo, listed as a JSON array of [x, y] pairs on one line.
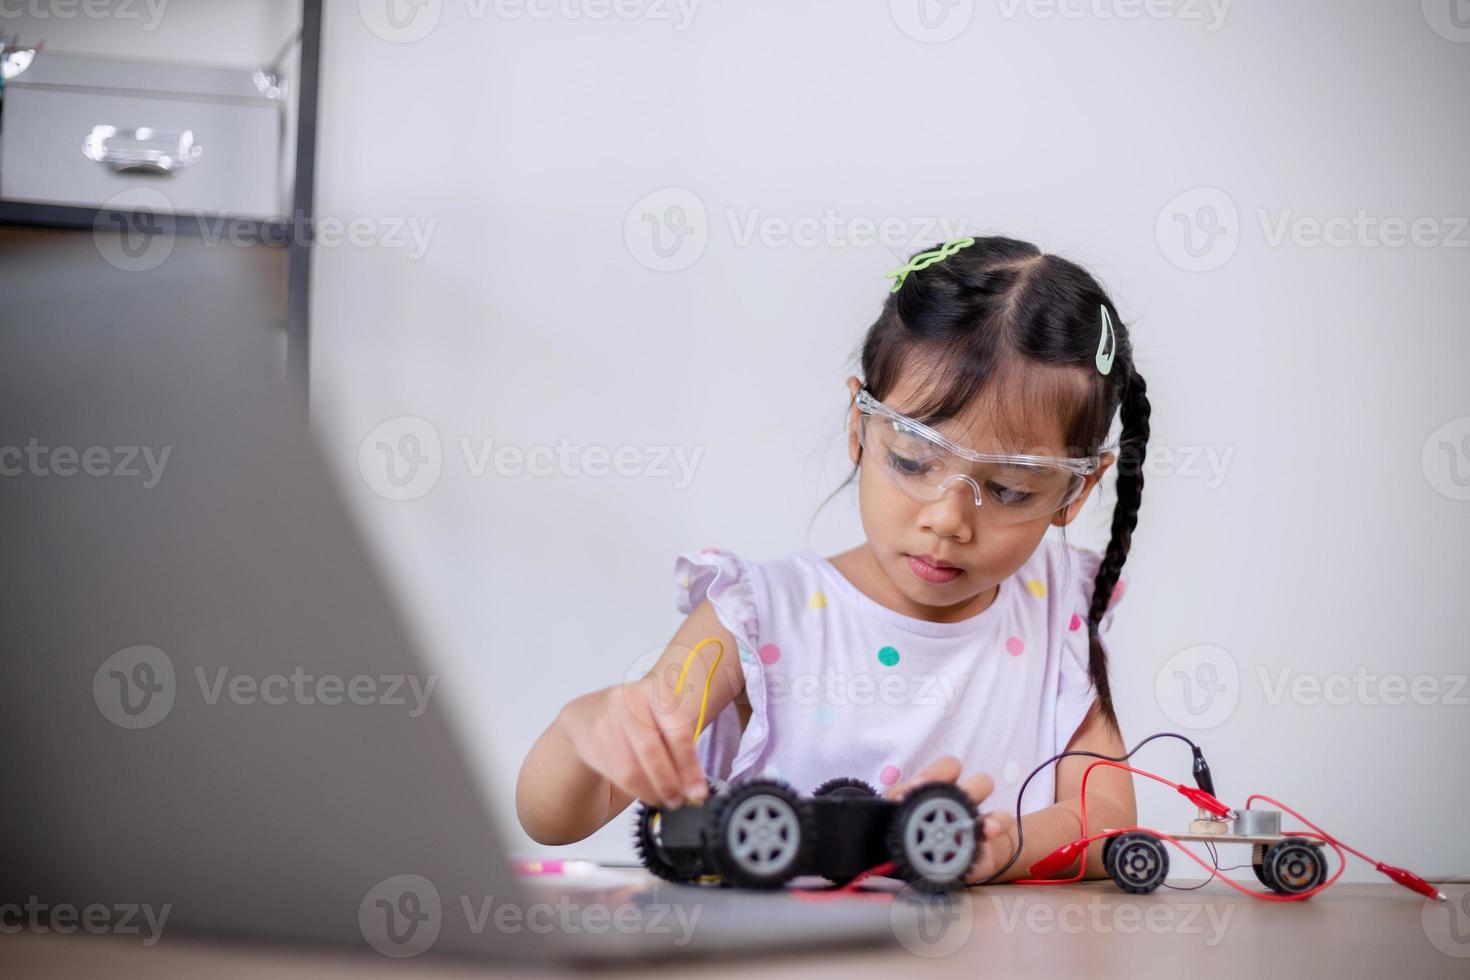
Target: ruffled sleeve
[[729, 583], [1075, 691]]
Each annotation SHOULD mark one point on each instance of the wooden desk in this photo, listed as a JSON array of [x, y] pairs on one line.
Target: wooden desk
[[1086, 930]]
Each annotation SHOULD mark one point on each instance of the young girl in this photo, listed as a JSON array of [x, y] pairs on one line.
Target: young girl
[[957, 642]]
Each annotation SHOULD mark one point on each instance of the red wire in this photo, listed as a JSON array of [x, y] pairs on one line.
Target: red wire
[[1214, 871], [851, 888], [1324, 834], [1082, 796]]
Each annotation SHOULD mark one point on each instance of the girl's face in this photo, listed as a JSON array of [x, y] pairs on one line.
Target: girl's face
[[948, 531]]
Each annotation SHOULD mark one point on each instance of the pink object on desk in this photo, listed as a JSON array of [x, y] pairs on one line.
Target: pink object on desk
[[553, 866]]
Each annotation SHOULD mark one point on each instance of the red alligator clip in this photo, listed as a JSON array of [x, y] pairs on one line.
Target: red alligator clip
[[1205, 800], [1059, 860], [1412, 881]]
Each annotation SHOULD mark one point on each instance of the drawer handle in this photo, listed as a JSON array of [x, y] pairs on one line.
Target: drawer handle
[[142, 150]]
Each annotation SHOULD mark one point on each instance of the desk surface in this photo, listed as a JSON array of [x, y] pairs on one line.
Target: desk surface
[[1084, 930]]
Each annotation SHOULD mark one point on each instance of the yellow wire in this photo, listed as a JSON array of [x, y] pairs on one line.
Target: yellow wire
[[684, 672], [703, 701]]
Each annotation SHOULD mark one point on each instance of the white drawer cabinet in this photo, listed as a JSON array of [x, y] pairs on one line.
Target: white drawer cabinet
[[79, 131]]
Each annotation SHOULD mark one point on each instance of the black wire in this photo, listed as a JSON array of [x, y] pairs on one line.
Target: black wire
[[1233, 867], [1057, 758], [1187, 888], [1214, 859]]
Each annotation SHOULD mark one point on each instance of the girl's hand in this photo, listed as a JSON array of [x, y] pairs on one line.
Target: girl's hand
[[640, 737], [998, 829]]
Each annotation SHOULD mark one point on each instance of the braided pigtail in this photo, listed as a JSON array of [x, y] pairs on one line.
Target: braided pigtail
[[1132, 450]]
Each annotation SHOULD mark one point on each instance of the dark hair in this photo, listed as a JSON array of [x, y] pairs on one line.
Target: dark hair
[[979, 323]]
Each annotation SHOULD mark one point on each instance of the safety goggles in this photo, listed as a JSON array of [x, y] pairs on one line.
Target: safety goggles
[[1008, 488]]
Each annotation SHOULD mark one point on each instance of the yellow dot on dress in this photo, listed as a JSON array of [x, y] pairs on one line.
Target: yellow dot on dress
[[817, 601], [1037, 588]]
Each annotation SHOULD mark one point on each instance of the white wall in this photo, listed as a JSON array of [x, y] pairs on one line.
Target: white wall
[[523, 144]]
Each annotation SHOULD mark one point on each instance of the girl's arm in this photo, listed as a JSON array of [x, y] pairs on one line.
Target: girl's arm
[[629, 741], [1110, 803]]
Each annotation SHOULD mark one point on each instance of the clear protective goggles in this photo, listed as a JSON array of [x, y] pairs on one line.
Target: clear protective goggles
[[1007, 488]]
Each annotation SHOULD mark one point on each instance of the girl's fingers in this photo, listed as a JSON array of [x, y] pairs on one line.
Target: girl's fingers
[[679, 744], [653, 757], [944, 769], [997, 824], [673, 713], [998, 845], [978, 786]]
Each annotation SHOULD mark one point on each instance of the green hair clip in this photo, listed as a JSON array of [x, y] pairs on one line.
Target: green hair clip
[[1106, 341], [925, 259]]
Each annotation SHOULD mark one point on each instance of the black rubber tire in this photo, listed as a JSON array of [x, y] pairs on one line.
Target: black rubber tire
[[845, 786], [727, 808], [1258, 865], [1140, 862], [1295, 865], [1107, 854], [650, 852], [840, 786], [918, 802]]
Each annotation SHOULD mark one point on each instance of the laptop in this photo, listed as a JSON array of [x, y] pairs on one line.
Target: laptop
[[213, 720]]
